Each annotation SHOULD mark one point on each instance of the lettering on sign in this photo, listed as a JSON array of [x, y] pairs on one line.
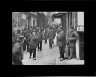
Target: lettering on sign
[[80, 28]]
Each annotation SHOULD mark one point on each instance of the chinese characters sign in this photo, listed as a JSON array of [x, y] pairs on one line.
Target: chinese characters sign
[[80, 28]]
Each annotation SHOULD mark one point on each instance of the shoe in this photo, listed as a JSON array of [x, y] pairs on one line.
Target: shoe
[[66, 58], [29, 57], [41, 50], [38, 49], [34, 58], [61, 59], [70, 58]]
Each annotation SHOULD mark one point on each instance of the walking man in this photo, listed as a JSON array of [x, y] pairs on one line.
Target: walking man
[[40, 38], [27, 40], [51, 37], [33, 45], [46, 35]]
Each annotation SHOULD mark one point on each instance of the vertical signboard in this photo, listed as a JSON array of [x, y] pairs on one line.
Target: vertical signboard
[[81, 18]]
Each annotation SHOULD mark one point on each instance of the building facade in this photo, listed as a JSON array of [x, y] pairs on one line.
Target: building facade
[[76, 19], [32, 20], [80, 30], [19, 19]]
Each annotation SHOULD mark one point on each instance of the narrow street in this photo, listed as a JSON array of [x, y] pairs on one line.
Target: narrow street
[[45, 57], [29, 27], [49, 57]]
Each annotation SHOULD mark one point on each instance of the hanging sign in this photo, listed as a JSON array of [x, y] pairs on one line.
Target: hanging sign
[[80, 28]]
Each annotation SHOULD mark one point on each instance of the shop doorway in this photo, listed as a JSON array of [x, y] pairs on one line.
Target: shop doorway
[[81, 45]]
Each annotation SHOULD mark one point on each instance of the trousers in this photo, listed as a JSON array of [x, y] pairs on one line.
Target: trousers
[[34, 52], [50, 43], [62, 50], [40, 45]]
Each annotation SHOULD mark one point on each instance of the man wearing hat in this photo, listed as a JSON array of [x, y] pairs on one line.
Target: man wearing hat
[[73, 36], [61, 42], [27, 40], [17, 54], [39, 34], [51, 37], [33, 44]]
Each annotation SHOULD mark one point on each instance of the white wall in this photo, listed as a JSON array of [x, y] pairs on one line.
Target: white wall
[[81, 18]]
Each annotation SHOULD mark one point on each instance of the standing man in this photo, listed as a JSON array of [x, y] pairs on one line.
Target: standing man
[[33, 45], [40, 38], [61, 42], [73, 36], [51, 37]]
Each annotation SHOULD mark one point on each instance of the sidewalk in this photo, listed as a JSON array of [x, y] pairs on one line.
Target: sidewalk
[[69, 62], [45, 57], [49, 57]]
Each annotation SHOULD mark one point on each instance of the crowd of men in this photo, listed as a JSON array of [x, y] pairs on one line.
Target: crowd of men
[[30, 39]]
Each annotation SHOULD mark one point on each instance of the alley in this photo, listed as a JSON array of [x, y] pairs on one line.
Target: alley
[[49, 57], [31, 29], [45, 57]]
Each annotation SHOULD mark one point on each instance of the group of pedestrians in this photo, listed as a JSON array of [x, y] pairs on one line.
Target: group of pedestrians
[[31, 39]]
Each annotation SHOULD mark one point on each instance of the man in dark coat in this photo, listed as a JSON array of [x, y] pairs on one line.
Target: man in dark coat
[[24, 44], [58, 30], [61, 42], [73, 36], [46, 35], [39, 34], [51, 37], [17, 54], [33, 44], [27, 40], [54, 34]]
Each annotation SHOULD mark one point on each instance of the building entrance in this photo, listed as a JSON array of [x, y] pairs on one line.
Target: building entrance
[[81, 45]]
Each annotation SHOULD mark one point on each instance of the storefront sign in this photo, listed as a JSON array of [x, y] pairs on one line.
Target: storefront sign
[[80, 28], [81, 18]]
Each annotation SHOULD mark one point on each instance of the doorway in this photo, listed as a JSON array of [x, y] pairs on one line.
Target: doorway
[[81, 45]]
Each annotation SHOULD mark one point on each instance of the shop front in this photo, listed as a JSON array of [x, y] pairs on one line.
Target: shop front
[[80, 31]]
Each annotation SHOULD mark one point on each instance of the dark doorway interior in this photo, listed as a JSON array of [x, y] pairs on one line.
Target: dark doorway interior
[[81, 45]]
